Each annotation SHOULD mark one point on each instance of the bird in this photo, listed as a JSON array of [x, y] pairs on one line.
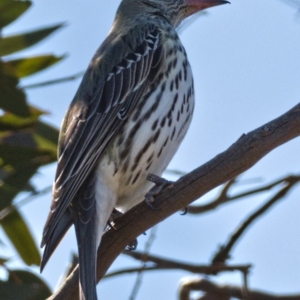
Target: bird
[[127, 119]]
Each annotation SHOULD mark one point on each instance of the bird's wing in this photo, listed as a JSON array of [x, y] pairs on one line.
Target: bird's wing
[[116, 79]]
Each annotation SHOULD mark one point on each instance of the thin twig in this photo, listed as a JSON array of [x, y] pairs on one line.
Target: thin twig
[[175, 172], [167, 264], [140, 272], [245, 285], [54, 81], [294, 3], [225, 291], [9, 209], [223, 254], [225, 198], [200, 269]]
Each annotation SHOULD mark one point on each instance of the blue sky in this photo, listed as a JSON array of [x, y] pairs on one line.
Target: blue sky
[[245, 59]]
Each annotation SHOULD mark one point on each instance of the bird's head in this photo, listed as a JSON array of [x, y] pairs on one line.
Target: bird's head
[[175, 11]]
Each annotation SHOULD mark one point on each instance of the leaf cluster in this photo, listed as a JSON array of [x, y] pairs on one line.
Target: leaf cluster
[[26, 144]]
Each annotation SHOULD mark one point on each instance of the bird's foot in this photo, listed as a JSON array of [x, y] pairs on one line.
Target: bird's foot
[[185, 210], [132, 246], [111, 225], [160, 184]]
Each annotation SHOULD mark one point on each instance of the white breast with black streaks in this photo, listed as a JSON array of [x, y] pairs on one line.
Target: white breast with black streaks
[[153, 133]]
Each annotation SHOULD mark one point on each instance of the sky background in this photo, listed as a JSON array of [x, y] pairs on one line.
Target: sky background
[[245, 60]]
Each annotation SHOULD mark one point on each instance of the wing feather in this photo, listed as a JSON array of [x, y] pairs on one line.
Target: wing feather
[[118, 86], [102, 103]]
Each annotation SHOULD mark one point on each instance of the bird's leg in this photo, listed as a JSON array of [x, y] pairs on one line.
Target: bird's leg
[[114, 215], [111, 225], [160, 184]]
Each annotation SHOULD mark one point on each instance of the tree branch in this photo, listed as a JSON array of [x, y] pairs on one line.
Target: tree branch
[[223, 254], [54, 81], [223, 197], [168, 264], [224, 292], [138, 281], [242, 155]]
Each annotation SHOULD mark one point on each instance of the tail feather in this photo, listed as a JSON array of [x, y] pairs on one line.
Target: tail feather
[[89, 217], [61, 229], [84, 216], [87, 261]]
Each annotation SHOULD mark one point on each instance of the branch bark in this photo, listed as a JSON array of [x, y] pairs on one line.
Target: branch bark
[[224, 197], [225, 292], [242, 155], [224, 252], [160, 263]]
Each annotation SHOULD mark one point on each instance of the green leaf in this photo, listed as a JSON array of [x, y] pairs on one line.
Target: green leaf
[[24, 285], [12, 98], [12, 291], [18, 233], [47, 132], [27, 66], [20, 164], [14, 43], [10, 121], [11, 10], [22, 152], [16, 181], [22, 148]]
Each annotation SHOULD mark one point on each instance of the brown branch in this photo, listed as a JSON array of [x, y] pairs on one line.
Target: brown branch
[[201, 269], [223, 254], [167, 264], [225, 292], [223, 197], [135, 270], [242, 155]]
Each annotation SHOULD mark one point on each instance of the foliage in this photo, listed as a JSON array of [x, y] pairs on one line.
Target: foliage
[[26, 144]]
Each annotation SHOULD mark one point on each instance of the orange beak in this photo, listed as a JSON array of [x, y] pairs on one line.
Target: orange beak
[[198, 5]]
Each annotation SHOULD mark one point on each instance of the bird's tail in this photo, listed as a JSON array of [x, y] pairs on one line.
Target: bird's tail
[[87, 260], [85, 221], [90, 210]]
